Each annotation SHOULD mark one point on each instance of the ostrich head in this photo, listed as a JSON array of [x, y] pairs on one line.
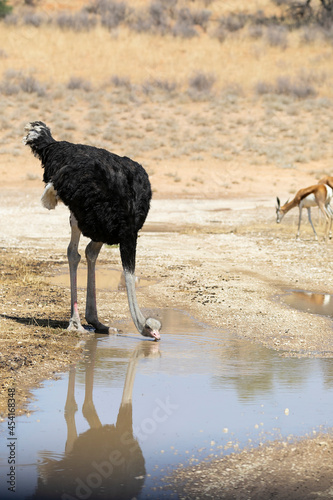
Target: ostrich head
[[38, 136], [152, 328], [35, 131]]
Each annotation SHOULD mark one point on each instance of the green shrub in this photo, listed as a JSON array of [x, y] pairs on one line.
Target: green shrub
[[4, 8]]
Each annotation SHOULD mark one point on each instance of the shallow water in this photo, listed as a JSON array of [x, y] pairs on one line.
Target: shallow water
[[134, 409], [315, 303]]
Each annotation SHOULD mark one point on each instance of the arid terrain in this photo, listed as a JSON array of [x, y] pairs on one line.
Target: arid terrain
[[217, 158]]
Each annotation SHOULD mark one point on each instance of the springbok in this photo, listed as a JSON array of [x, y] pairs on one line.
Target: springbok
[[327, 179], [318, 195]]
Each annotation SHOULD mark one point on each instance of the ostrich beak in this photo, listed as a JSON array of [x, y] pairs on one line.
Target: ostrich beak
[[156, 335]]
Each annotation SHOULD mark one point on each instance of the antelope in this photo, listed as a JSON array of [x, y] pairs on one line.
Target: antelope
[[327, 179], [318, 195]]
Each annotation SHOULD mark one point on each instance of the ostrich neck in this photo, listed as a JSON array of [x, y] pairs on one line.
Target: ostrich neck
[[137, 316]]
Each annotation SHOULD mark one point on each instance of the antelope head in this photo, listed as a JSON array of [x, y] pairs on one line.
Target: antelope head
[[280, 211], [279, 214]]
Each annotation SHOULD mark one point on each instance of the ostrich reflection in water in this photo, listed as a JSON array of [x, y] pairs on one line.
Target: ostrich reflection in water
[[106, 461]]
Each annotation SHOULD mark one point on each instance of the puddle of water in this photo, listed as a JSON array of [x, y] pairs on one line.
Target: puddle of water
[[134, 409], [315, 303], [107, 279]]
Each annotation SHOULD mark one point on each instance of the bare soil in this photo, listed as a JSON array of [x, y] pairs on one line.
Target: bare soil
[[290, 470], [227, 262]]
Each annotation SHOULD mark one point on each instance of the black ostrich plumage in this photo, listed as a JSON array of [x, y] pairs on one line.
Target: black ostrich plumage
[[109, 195]]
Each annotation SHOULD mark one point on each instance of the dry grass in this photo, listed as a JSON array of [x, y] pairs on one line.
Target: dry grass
[[56, 56], [139, 57], [176, 138], [29, 308], [217, 8], [187, 109]]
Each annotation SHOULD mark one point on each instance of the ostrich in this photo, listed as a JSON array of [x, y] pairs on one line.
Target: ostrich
[[108, 197]]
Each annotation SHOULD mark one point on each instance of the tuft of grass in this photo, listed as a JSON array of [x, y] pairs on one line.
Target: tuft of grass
[[111, 13], [15, 81], [152, 85], [200, 85], [11, 20], [300, 88], [158, 17], [30, 85], [33, 19], [78, 83], [79, 22], [123, 82], [185, 25], [277, 36]]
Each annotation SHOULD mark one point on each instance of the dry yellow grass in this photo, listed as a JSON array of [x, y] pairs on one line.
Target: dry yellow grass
[[216, 7], [189, 147], [55, 56]]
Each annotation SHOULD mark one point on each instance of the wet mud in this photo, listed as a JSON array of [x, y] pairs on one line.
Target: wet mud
[[223, 270], [132, 410]]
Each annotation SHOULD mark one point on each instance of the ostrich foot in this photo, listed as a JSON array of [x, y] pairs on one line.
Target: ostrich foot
[[100, 328], [75, 325]]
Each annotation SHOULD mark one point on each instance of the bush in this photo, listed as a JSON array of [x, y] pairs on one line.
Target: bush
[[277, 36], [184, 26], [200, 86], [15, 81], [300, 88], [80, 21], [112, 13], [201, 82], [263, 88], [121, 82], [30, 85], [158, 16], [11, 20], [4, 8], [156, 84], [8, 88], [77, 83], [33, 20]]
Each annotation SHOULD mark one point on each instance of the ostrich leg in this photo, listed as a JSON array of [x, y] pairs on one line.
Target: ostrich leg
[[73, 261], [88, 409], [70, 410], [92, 251]]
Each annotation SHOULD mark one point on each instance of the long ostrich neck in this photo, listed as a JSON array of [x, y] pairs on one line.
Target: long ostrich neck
[[137, 316]]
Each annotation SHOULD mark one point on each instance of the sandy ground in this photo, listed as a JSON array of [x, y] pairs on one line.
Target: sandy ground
[[223, 259]]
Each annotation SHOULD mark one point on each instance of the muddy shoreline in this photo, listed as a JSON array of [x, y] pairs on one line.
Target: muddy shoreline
[[227, 267], [224, 265]]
